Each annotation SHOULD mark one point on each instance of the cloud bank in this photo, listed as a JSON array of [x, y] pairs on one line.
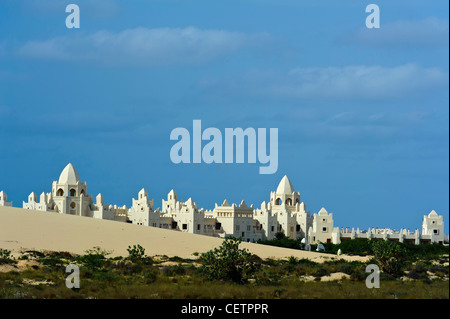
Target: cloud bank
[[353, 82], [143, 46]]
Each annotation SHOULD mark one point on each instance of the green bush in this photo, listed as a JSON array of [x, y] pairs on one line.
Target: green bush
[[390, 256], [5, 257], [228, 262], [137, 254], [95, 258], [280, 235]]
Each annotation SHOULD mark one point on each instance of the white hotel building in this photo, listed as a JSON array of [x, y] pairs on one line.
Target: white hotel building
[[285, 212]]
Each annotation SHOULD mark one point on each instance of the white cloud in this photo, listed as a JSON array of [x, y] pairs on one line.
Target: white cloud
[[142, 46], [430, 32], [353, 82]]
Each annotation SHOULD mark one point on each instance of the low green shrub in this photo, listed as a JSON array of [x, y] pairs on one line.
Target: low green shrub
[[390, 256], [137, 254], [94, 258], [229, 262], [6, 257]]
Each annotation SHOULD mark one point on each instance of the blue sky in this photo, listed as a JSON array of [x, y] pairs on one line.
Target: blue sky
[[362, 114]]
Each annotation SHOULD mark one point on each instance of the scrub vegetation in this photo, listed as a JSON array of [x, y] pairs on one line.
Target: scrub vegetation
[[225, 272]]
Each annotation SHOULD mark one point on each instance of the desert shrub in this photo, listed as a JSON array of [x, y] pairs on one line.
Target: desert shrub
[[137, 254], [151, 275], [272, 262], [385, 277], [358, 275], [307, 262], [35, 254], [320, 271], [282, 241], [425, 250], [413, 274], [6, 257], [436, 269], [390, 256], [346, 268], [52, 262], [358, 246], [94, 258], [229, 262], [292, 260]]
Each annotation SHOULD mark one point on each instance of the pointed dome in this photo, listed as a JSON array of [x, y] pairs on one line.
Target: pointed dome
[[285, 186], [69, 175]]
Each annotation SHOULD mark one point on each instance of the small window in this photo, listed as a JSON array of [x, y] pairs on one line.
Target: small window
[[248, 228], [324, 229], [218, 226], [73, 205], [243, 234], [198, 226], [436, 231], [298, 227], [184, 226], [271, 228], [324, 220], [238, 227]]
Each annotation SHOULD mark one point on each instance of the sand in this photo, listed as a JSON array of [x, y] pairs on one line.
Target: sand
[[34, 230]]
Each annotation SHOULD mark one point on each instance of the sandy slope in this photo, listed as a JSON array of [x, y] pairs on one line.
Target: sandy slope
[[25, 229]]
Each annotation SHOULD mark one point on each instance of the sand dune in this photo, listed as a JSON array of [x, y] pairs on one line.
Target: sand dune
[[26, 229]]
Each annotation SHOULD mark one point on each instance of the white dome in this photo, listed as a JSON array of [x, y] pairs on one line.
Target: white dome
[[285, 186], [69, 175]]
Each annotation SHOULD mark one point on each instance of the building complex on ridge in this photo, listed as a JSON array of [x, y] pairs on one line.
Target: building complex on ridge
[[285, 213]]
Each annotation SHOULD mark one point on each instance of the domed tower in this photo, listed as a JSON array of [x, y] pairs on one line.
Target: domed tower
[[69, 183], [285, 194], [70, 194]]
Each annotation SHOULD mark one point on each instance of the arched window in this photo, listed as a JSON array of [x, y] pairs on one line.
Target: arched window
[[82, 192], [278, 201], [60, 192], [289, 201], [297, 201], [73, 192]]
